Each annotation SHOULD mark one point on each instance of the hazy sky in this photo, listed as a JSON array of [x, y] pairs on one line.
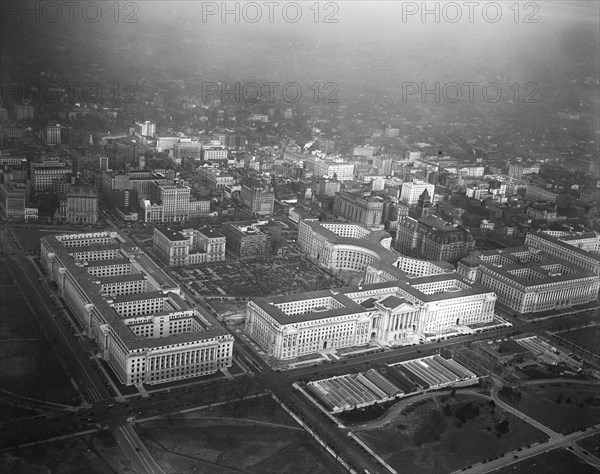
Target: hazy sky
[[387, 40]]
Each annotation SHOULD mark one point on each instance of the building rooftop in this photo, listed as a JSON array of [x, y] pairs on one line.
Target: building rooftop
[[117, 325], [151, 295], [210, 232], [107, 262], [119, 278], [347, 299], [530, 268], [172, 233]]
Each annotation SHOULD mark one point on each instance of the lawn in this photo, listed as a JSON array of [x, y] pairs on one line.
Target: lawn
[[563, 408], [591, 444], [254, 436], [28, 364], [445, 434], [88, 454], [588, 338], [557, 461], [11, 412]]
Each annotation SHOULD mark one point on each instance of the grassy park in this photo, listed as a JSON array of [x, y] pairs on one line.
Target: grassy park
[[254, 436], [90, 454], [444, 434], [557, 461], [28, 364], [561, 407], [591, 444], [586, 338]]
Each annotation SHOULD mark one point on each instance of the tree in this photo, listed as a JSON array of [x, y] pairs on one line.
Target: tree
[[502, 428]]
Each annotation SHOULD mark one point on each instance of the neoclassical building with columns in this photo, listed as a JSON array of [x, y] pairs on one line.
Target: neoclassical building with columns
[[145, 330], [344, 246], [529, 280], [392, 313]]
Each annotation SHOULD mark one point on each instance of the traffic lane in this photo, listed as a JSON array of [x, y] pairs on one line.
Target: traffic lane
[[329, 432], [139, 464], [394, 355]]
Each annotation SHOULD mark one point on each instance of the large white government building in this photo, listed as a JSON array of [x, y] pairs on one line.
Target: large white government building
[[145, 330], [179, 247], [344, 246], [529, 280], [579, 248], [391, 313]]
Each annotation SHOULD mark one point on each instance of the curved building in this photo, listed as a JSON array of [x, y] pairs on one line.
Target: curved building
[[344, 246]]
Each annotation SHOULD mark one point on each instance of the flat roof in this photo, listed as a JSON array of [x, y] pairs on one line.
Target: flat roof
[[210, 233], [543, 259], [174, 235], [348, 297], [93, 247], [118, 326], [151, 295], [120, 278], [107, 262]]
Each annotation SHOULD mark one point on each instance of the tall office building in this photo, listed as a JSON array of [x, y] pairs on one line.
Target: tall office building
[[246, 241], [53, 134], [13, 199], [24, 112], [411, 191], [433, 238], [175, 199], [80, 205], [355, 208], [44, 173], [145, 129], [259, 199], [124, 154]]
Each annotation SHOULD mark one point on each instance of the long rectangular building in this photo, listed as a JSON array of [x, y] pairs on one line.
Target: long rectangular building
[[145, 331], [528, 280], [392, 313], [579, 248]]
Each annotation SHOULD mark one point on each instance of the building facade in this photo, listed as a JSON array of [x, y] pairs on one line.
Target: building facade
[[395, 313], [528, 280], [144, 330], [13, 199], [44, 173], [80, 205], [179, 247], [579, 248], [433, 238], [355, 208], [412, 191], [259, 199], [246, 241], [343, 246]]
